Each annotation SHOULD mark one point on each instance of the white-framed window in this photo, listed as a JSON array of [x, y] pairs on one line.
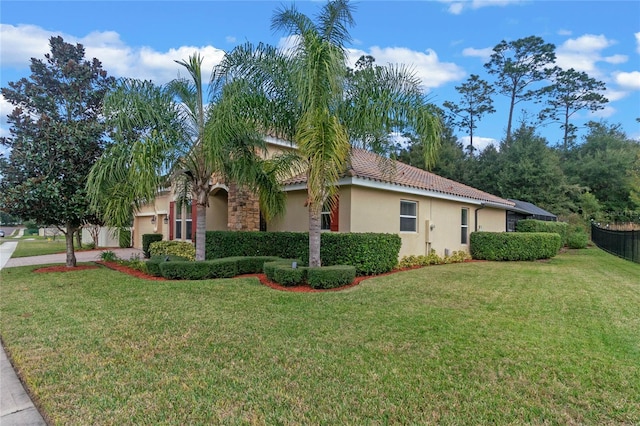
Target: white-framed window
[[408, 216], [325, 218], [188, 221], [464, 226], [178, 222]]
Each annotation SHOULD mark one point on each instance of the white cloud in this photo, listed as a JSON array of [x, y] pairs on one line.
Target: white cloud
[[484, 54], [628, 80], [230, 39], [457, 7], [583, 53], [606, 112], [615, 95], [479, 143], [5, 109], [637, 42], [616, 59], [426, 65], [564, 32], [20, 43]]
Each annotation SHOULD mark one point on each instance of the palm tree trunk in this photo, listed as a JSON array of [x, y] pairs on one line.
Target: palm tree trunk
[[71, 255], [314, 236], [201, 231]]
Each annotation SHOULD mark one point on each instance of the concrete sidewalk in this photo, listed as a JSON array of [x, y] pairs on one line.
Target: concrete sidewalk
[[81, 256], [16, 407]]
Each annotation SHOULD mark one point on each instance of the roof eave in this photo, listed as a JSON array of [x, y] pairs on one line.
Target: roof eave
[[393, 187]]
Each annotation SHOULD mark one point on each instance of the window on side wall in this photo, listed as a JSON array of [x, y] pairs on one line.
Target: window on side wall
[[188, 221], [408, 216], [183, 221], [464, 226], [325, 218], [178, 221]]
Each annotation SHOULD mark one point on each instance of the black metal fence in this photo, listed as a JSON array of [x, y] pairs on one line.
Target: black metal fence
[[625, 244]]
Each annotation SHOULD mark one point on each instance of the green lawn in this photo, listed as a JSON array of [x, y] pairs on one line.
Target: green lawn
[[554, 342], [39, 246]]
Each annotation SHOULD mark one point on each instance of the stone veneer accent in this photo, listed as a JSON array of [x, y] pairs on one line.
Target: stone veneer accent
[[243, 209]]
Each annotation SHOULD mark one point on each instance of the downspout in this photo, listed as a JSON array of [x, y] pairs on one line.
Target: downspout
[[482, 206]]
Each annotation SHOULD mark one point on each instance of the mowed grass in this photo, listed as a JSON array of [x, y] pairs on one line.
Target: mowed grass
[[39, 246], [554, 342]]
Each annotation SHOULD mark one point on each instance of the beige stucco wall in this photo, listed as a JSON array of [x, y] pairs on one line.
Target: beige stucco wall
[[363, 209], [439, 225], [217, 212], [142, 220], [295, 218]]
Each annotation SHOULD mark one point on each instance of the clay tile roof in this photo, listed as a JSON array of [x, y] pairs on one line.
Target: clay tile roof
[[367, 165]]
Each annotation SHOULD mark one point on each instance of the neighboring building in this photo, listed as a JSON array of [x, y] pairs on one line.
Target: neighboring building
[[375, 195], [107, 237], [524, 210]]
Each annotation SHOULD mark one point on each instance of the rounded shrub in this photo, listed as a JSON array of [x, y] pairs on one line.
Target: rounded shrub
[[173, 248], [577, 240], [331, 276]]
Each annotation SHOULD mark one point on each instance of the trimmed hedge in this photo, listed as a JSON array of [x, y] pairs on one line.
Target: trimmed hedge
[[147, 239], [269, 268], [252, 264], [514, 245], [187, 270], [175, 248], [287, 276], [534, 225], [153, 264], [370, 253], [331, 276]]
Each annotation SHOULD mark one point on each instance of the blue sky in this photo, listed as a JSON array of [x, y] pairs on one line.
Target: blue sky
[[443, 41]]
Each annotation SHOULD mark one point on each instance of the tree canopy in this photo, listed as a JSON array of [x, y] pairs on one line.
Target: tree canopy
[[308, 96], [168, 135], [57, 133]]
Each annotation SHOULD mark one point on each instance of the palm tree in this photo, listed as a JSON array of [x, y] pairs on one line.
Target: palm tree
[[308, 95], [168, 135]]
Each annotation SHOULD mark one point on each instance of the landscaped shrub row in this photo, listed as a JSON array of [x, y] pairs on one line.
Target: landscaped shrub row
[[179, 268], [331, 276], [514, 245], [147, 239], [433, 259], [269, 268], [325, 277], [369, 253], [533, 225], [201, 270], [153, 264], [176, 248]]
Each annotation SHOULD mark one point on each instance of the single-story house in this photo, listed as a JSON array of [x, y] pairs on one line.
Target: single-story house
[[429, 212]]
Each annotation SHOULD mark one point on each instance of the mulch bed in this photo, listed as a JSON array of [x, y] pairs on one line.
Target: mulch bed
[[130, 271], [262, 277]]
